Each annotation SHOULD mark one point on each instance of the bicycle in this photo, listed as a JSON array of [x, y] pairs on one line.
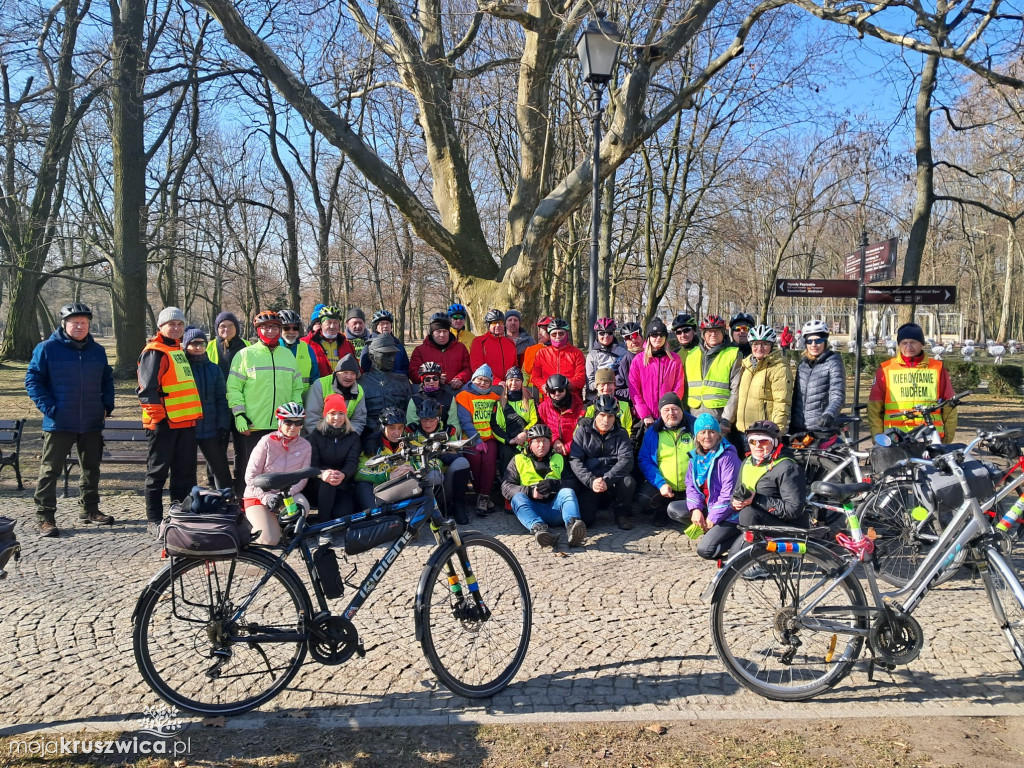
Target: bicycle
[[222, 637], [798, 631]]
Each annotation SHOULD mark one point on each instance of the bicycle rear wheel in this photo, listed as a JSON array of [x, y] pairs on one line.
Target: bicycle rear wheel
[[195, 657], [817, 466], [766, 638], [474, 653], [999, 578]]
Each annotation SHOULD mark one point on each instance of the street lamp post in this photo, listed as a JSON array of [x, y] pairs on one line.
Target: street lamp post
[[597, 47]]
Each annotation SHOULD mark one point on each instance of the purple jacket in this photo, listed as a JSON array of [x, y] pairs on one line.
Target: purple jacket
[[648, 382], [721, 480]]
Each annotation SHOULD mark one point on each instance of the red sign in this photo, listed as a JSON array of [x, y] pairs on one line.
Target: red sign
[[879, 262], [821, 288], [911, 294]]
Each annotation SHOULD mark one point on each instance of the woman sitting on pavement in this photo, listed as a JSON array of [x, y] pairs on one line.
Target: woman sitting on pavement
[[454, 465], [476, 403], [711, 478], [533, 485], [335, 449], [393, 436], [283, 450]]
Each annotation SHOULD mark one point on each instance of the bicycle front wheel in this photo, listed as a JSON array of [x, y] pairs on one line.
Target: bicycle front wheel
[[474, 649], [1000, 579], [783, 626], [197, 655]]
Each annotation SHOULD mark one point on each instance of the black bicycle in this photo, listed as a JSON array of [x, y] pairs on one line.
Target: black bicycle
[[224, 636]]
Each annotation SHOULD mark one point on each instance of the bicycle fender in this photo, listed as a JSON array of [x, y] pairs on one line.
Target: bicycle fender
[[706, 594], [440, 553], [780, 546]]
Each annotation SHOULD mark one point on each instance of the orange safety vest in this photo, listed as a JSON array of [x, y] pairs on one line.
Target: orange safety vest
[[481, 406], [181, 398], [906, 387]]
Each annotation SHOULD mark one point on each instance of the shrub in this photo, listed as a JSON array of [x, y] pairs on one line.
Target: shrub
[[1006, 380], [962, 374], [868, 363]]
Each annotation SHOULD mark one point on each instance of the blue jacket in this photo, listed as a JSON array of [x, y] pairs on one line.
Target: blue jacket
[[214, 396], [647, 456], [74, 388]]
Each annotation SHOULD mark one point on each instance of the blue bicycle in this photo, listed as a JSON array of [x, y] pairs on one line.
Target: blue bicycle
[[224, 636]]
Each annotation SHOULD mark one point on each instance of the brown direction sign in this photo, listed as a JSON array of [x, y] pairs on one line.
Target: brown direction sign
[[879, 262], [822, 288], [911, 294]]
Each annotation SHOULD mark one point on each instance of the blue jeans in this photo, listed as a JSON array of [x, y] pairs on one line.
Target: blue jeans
[[562, 509]]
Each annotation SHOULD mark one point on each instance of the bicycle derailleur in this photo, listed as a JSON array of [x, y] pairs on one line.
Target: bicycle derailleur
[[333, 639]]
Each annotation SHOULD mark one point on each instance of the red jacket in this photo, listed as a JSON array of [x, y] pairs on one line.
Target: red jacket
[[562, 423], [499, 352], [454, 360], [326, 368], [568, 361]]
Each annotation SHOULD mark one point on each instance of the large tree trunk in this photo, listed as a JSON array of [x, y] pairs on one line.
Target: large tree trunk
[[129, 281]]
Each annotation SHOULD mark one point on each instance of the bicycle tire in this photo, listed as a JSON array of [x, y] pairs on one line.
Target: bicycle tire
[[901, 543], [1006, 606], [474, 657], [171, 636], [751, 619]]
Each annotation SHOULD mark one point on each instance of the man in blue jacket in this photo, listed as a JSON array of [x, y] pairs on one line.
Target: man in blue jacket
[[70, 381]]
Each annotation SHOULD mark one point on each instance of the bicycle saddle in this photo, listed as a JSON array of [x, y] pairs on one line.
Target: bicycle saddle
[[840, 491], [282, 481]]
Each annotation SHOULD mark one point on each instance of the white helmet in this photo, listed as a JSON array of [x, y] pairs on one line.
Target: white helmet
[[764, 333], [815, 328]]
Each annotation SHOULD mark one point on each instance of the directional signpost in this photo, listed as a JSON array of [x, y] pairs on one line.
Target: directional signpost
[[911, 294], [822, 288], [872, 263]]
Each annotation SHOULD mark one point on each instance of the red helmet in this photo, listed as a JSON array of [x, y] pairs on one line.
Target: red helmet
[[266, 318], [605, 324], [712, 322]]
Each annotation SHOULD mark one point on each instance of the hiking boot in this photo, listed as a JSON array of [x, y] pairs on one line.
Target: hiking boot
[[48, 530], [543, 535], [660, 519], [577, 532], [483, 505], [98, 518], [623, 523]]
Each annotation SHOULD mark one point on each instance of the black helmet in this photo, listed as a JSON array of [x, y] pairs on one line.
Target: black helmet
[[628, 329], [656, 328], [428, 409], [558, 324], [606, 404], [290, 317], [73, 310], [765, 427], [556, 381], [684, 320], [741, 318], [381, 314], [430, 368], [441, 319], [538, 430], [494, 316], [514, 372], [391, 415]]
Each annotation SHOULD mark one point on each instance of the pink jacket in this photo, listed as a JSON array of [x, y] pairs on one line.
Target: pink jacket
[[648, 382], [270, 456]]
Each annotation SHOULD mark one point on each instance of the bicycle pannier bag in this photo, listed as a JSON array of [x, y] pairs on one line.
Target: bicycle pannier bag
[[326, 564], [9, 546], [369, 533], [399, 489], [203, 527], [981, 478]]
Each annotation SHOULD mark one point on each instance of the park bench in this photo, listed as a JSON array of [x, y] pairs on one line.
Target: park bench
[[10, 446]]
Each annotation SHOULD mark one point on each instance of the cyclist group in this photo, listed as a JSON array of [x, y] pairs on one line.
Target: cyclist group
[[640, 421]]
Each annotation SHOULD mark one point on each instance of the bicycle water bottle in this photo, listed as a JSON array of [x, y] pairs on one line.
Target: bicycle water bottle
[[1012, 515], [290, 511]]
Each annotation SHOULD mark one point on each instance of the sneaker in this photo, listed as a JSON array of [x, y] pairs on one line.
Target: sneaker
[[153, 529], [543, 535], [483, 505], [97, 518], [577, 532], [48, 530], [756, 572]]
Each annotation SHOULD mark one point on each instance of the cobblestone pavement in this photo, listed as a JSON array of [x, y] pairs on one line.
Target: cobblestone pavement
[[619, 631]]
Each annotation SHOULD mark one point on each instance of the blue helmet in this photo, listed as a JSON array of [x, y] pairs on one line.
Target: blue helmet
[[457, 309]]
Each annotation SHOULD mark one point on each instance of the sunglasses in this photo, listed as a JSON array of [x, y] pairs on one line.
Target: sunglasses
[[814, 341], [605, 333], [560, 389], [292, 422], [657, 336], [431, 378], [291, 328], [634, 336], [741, 328], [684, 330], [458, 317], [766, 441]]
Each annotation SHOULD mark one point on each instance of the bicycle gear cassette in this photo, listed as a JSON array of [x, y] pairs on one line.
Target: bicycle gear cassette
[[896, 638], [333, 639]]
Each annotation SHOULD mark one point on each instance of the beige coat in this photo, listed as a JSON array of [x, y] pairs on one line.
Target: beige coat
[[766, 391]]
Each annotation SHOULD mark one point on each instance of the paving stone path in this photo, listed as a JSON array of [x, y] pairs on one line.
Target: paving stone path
[[619, 631]]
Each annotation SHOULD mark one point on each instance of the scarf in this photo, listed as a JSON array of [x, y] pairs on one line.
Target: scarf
[[285, 442], [703, 462]]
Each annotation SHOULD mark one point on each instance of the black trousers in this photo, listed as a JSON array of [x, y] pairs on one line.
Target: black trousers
[[215, 451], [171, 452], [56, 447], [619, 495]]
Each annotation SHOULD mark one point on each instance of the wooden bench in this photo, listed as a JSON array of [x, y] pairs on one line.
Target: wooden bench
[[10, 446]]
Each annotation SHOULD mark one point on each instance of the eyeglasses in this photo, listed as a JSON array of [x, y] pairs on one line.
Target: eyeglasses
[[293, 422], [291, 328], [765, 441], [605, 333], [431, 378], [741, 328], [814, 341]]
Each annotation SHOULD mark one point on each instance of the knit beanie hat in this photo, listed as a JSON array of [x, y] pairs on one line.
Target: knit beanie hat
[[316, 313], [670, 398], [657, 327], [347, 363], [484, 371], [168, 315], [910, 331], [356, 312], [604, 376], [191, 334], [335, 403], [706, 421], [514, 313], [228, 316]]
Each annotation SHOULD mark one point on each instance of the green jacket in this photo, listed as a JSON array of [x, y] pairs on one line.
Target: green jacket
[[261, 379]]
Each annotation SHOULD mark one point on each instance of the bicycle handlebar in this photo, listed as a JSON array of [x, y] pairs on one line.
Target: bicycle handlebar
[[919, 410], [435, 445]]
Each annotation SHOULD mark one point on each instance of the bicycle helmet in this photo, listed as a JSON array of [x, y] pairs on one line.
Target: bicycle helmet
[[457, 309], [329, 311], [75, 310], [441, 320], [767, 428], [558, 324], [814, 328], [741, 318], [712, 322], [545, 321], [538, 431], [290, 411], [764, 333], [606, 324], [391, 415], [628, 329], [290, 317], [683, 320], [428, 409], [556, 381], [494, 316], [266, 318], [381, 314], [514, 372], [430, 368], [606, 404]]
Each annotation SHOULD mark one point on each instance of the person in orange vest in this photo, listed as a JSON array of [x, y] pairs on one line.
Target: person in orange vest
[[475, 404], [907, 380], [170, 409]]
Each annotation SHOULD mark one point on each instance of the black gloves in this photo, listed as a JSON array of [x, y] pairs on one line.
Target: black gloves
[[826, 420], [549, 487]]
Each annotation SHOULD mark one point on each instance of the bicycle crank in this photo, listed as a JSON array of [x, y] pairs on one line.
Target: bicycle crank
[[333, 639], [896, 637]]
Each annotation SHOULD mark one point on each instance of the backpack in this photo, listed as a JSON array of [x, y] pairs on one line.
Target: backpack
[[9, 546]]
